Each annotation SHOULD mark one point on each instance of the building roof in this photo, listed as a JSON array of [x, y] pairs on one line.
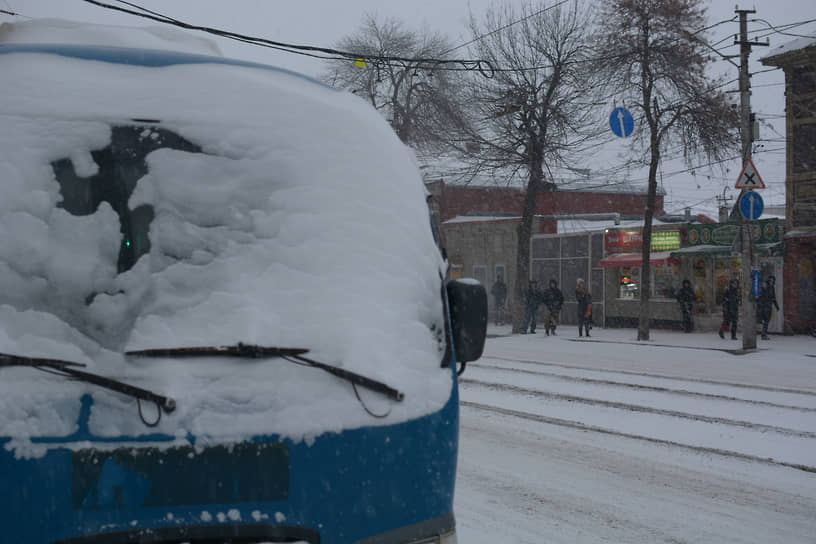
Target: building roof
[[777, 55]]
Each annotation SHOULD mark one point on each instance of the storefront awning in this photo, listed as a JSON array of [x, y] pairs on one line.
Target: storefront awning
[[774, 249], [658, 258], [703, 251]]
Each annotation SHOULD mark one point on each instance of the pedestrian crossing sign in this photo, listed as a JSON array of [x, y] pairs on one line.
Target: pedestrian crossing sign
[[749, 177]]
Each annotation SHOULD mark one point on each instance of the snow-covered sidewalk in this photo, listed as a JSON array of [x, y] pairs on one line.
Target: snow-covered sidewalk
[[782, 361]]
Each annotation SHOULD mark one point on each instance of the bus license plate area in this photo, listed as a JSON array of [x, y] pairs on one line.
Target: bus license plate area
[[132, 478]]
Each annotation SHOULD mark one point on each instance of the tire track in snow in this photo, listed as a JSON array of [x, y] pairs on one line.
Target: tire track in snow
[[639, 408], [643, 387], [792, 391], [592, 428]]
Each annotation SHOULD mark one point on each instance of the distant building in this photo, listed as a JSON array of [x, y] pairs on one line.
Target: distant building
[[798, 60], [479, 230]]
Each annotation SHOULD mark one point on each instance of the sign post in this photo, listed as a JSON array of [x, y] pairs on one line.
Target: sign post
[[750, 207]]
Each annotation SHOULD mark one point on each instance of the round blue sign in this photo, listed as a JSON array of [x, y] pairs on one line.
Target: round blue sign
[[751, 205], [621, 122]]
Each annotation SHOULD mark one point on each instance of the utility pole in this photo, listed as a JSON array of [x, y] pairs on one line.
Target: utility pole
[[746, 227]]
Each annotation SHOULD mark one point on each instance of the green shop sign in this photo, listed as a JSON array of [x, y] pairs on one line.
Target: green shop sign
[[766, 231]]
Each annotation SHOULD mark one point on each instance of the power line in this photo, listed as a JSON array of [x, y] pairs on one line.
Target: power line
[[482, 66], [508, 25], [791, 25]]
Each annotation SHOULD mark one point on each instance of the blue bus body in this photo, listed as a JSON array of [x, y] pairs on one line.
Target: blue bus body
[[380, 484], [82, 479]]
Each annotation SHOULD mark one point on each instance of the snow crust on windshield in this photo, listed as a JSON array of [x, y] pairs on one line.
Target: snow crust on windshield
[[302, 223]]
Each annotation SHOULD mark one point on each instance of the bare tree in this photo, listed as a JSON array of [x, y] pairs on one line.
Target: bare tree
[[530, 115], [415, 94], [651, 53]]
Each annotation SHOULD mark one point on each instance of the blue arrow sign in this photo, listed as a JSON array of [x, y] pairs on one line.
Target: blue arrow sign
[[621, 122], [751, 205]]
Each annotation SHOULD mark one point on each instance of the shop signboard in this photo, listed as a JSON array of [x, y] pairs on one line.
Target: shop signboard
[[766, 231], [630, 241]]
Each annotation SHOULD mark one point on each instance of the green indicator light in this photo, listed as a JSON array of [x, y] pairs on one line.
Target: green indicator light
[[127, 243]]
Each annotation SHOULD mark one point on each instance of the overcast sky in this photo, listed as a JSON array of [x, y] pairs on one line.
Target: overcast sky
[[324, 22]]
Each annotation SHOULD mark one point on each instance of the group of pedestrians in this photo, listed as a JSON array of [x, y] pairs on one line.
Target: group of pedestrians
[[731, 301], [552, 298]]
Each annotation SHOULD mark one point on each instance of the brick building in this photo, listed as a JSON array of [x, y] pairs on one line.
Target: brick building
[[461, 200], [798, 60], [479, 223]]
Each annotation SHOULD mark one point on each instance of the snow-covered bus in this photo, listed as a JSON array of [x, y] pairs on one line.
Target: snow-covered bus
[[223, 316]]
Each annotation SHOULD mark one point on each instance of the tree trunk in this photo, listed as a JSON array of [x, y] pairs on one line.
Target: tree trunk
[[646, 250], [524, 233]]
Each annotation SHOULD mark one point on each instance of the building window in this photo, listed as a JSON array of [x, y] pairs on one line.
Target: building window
[[665, 280], [500, 272], [629, 282], [480, 273], [664, 284]]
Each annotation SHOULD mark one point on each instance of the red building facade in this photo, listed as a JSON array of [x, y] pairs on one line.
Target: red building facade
[[459, 200]]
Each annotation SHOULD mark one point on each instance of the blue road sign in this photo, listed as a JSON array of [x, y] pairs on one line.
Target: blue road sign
[[751, 205], [756, 279], [621, 122]]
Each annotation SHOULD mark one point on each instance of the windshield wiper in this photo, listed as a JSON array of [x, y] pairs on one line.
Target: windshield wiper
[[294, 355], [68, 369]]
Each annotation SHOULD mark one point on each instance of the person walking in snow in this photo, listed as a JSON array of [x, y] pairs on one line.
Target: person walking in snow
[[532, 298], [686, 298], [584, 299], [766, 302], [499, 292], [553, 299], [730, 306]]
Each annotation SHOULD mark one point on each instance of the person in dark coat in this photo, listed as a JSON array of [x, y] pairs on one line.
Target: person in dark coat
[[499, 292], [584, 299], [686, 298], [553, 299], [532, 298], [730, 306], [765, 304]]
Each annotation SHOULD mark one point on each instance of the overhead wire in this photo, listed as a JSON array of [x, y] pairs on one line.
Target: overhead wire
[[327, 53], [508, 25]]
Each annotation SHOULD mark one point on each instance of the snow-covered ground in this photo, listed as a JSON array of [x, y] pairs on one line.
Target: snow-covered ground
[[679, 439]]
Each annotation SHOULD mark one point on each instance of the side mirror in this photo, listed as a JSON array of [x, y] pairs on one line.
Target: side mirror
[[467, 299]]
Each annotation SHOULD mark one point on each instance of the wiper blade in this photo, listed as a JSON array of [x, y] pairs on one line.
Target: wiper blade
[[238, 350], [294, 355], [68, 369]]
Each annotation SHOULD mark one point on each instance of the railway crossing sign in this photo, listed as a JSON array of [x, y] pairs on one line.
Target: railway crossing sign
[[749, 177], [751, 205], [621, 122]]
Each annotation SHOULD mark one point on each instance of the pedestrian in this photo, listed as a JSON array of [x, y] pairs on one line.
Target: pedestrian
[[553, 299], [686, 298], [765, 304], [730, 306], [499, 292], [532, 298], [584, 299]]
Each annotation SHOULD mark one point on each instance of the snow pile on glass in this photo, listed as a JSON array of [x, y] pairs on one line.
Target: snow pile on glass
[[286, 213]]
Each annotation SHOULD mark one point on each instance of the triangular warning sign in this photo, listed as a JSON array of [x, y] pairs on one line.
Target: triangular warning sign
[[749, 177]]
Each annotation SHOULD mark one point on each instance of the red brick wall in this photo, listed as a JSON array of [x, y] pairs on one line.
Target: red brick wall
[[464, 200], [797, 252]]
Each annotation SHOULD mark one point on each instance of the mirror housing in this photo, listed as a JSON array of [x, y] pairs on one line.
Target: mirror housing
[[467, 303]]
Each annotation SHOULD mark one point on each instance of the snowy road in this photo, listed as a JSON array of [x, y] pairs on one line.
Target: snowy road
[[604, 441]]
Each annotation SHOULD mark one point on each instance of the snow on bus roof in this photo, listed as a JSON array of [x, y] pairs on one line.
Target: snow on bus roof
[[64, 32]]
